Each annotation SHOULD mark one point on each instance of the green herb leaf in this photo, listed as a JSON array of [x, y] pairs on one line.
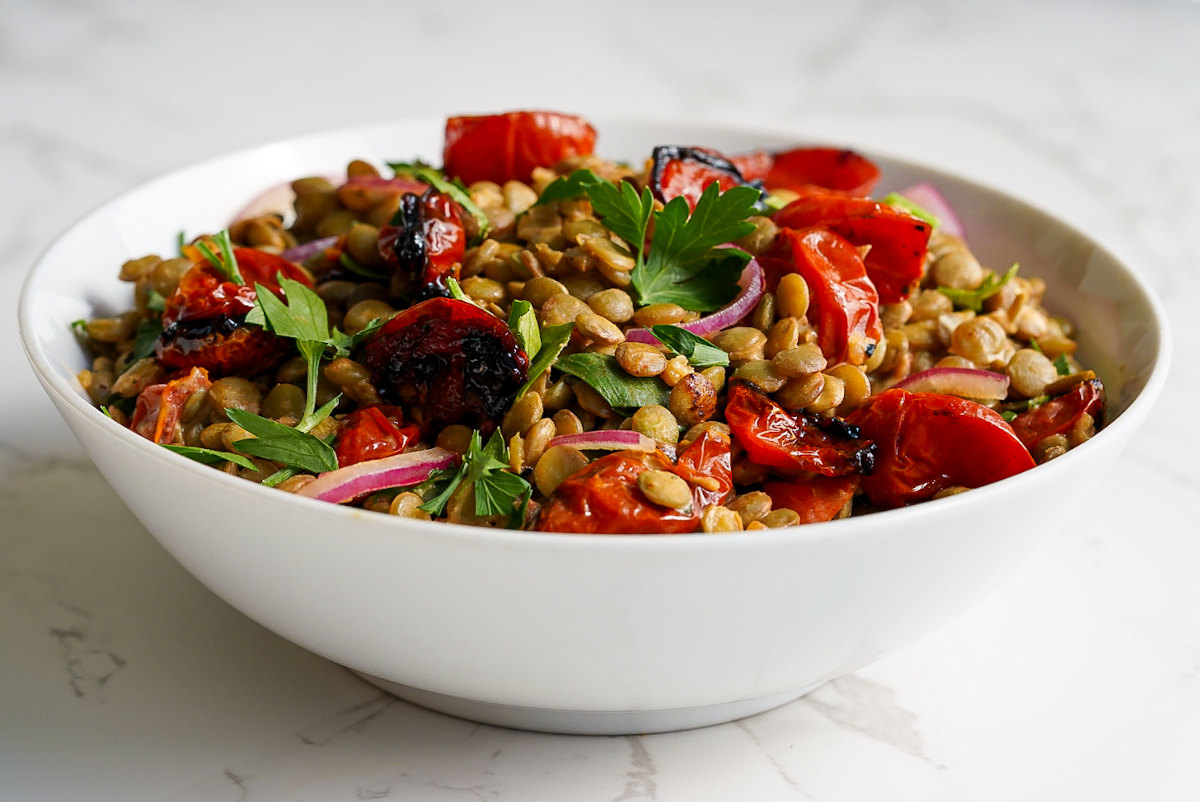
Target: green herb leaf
[[303, 317], [1061, 365], [522, 322], [456, 291], [569, 187], [1034, 403], [280, 443], [181, 242], [442, 482], [155, 302], [699, 351], [616, 386], [904, 204], [496, 489], [144, 340], [225, 262], [623, 211], [284, 473], [973, 299], [554, 340], [344, 343], [210, 457], [1009, 416], [683, 266], [80, 329]]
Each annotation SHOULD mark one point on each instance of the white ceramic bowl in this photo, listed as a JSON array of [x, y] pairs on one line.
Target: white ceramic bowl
[[588, 634]]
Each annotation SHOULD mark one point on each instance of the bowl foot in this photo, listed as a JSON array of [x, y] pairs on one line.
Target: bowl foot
[[587, 722]]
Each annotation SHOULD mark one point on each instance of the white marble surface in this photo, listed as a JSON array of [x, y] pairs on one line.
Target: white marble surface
[[121, 678]]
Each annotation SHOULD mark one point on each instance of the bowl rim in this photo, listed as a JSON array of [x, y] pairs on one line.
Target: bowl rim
[[862, 526]]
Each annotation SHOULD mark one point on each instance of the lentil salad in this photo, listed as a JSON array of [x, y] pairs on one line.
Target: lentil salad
[[537, 337]]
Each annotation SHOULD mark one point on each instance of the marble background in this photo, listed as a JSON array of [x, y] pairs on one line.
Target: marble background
[[121, 678]]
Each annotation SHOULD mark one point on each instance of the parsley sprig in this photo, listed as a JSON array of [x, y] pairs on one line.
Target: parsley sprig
[[484, 467], [222, 259], [683, 264]]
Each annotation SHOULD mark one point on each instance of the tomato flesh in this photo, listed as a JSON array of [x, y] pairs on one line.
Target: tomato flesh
[[159, 407], [814, 498], [426, 239], [1059, 415], [842, 300], [804, 169], [898, 241], [373, 433], [776, 438], [604, 497], [506, 147], [929, 442]]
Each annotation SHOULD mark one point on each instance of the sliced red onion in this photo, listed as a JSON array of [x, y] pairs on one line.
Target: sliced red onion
[[752, 283], [928, 198], [607, 440], [353, 481], [962, 382], [302, 253]]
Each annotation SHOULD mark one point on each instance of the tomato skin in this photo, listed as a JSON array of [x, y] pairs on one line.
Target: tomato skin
[[815, 498], [426, 239], [898, 240], [203, 319], [1059, 415], [448, 361], [802, 169], [160, 406], [776, 438], [682, 172], [929, 442], [843, 301], [373, 433], [506, 147], [603, 498]]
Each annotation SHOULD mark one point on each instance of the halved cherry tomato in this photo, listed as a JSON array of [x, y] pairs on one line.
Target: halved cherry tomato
[[203, 319], [604, 497], [1059, 415], [842, 300], [929, 442], [160, 407], [898, 240], [802, 169], [373, 433], [686, 172], [426, 239], [506, 147], [774, 437], [813, 498], [448, 361]]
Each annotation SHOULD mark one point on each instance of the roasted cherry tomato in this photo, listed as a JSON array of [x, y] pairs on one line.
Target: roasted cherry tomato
[[842, 300], [803, 169], [160, 407], [203, 320], [774, 437], [373, 433], [813, 498], [604, 496], [506, 147], [449, 362], [929, 442], [426, 240], [1059, 415], [896, 260], [685, 172]]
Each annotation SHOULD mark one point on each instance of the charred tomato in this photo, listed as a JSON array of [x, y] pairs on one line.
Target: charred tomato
[[897, 240], [204, 319], [449, 362], [776, 438], [929, 442], [506, 147], [604, 496], [843, 301], [426, 240], [685, 172]]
